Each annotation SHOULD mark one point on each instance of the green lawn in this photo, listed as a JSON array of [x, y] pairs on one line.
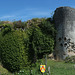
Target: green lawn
[[56, 68], [4, 71], [61, 68]]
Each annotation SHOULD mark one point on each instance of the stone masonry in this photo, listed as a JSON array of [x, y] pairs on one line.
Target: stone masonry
[[65, 38]]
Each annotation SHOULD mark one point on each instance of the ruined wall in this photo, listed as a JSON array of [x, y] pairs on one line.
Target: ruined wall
[[65, 38]]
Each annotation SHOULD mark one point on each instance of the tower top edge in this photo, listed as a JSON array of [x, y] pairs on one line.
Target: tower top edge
[[65, 7]]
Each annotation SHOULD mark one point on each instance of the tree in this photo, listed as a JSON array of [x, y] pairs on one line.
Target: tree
[[13, 51]]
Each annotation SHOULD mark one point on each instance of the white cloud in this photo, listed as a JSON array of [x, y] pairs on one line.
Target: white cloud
[[4, 17], [27, 13]]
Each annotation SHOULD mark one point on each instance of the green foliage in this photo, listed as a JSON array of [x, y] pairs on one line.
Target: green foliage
[[48, 28], [6, 29], [12, 49], [39, 42], [19, 24], [19, 48]]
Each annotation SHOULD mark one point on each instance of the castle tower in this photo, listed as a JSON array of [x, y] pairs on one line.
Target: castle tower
[[65, 38]]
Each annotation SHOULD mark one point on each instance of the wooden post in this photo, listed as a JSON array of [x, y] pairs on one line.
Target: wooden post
[[42, 73], [46, 62]]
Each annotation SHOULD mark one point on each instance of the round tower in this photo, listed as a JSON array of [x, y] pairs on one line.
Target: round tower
[[64, 18]]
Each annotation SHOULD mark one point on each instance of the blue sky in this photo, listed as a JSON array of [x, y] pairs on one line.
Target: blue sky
[[27, 9]]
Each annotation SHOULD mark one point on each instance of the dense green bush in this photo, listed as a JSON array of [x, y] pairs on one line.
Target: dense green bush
[[48, 28], [6, 29], [19, 48], [12, 51], [41, 41]]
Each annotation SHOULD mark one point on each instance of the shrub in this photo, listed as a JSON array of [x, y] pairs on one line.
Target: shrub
[[6, 29], [39, 43], [12, 51], [19, 48]]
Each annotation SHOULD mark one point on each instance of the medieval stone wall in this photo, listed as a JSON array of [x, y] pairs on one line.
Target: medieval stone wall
[[65, 38]]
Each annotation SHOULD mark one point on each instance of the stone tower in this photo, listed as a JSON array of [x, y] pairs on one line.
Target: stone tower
[[65, 38]]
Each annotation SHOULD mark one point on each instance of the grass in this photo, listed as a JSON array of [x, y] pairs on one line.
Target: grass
[[4, 71], [61, 68], [56, 68]]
